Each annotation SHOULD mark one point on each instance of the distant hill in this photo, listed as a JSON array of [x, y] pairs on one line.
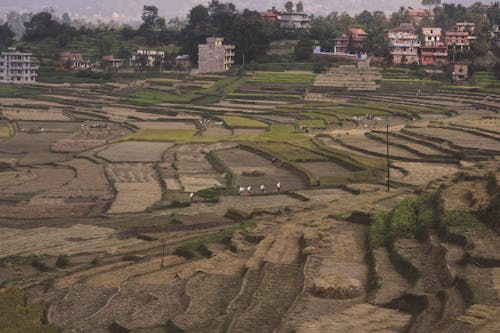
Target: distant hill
[[130, 10]]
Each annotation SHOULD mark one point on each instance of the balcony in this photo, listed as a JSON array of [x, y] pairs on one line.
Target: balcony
[[414, 53], [397, 44]]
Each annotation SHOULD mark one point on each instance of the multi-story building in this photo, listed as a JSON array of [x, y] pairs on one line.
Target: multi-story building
[[294, 20], [153, 57], [17, 67], [458, 40], [351, 43], [404, 44], [272, 15], [432, 36], [214, 57], [433, 50], [466, 27], [433, 55]]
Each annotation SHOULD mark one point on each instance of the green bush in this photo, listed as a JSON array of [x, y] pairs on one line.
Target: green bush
[[404, 219], [379, 229], [458, 218], [204, 251]]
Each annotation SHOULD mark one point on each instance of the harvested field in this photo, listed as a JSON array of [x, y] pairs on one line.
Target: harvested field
[[361, 318], [392, 284], [80, 303], [329, 170], [458, 138], [419, 148], [34, 114], [240, 161], [492, 125], [216, 131], [209, 296], [325, 195], [164, 125], [135, 151], [143, 307], [36, 147], [466, 196], [194, 183], [192, 169], [422, 173], [49, 126], [248, 131], [71, 145], [35, 180], [375, 147], [76, 239], [135, 197]]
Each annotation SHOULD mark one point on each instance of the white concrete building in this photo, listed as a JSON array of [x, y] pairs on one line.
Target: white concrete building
[[17, 67], [153, 57], [214, 56], [295, 20]]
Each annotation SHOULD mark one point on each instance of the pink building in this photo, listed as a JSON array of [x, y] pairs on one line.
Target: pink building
[[358, 37], [457, 40]]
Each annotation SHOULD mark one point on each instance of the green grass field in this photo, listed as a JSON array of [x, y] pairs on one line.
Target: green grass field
[[5, 130], [18, 315], [151, 96], [290, 152], [282, 77], [10, 90], [313, 123], [486, 79], [242, 122]]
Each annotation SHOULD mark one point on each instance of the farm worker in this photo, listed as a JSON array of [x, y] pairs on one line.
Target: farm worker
[[242, 189], [262, 188], [249, 189], [191, 196], [278, 187]]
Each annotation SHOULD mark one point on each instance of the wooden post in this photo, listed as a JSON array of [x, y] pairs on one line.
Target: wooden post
[[162, 253]]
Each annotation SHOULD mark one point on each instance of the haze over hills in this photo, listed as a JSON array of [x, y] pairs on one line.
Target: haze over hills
[[130, 10]]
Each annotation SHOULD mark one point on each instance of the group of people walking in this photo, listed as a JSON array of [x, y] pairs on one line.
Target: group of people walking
[[248, 190]]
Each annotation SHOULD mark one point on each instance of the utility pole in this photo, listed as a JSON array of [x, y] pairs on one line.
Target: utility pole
[[388, 167]]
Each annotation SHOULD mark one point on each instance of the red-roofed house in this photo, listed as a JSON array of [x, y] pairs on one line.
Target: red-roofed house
[[358, 38]]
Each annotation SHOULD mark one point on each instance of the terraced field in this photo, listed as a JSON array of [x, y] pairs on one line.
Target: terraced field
[[121, 208]]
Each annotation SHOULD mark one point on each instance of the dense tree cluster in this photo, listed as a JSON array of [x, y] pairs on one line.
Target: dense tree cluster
[[247, 30]]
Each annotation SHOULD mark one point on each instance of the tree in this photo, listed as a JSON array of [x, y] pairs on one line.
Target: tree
[[104, 46], [493, 14], [377, 44], [42, 26], [431, 3], [299, 7], [6, 36], [289, 6], [325, 30], [152, 24], [304, 49], [250, 34]]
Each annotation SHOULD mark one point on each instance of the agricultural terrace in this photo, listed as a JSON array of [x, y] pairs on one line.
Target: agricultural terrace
[[151, 195]]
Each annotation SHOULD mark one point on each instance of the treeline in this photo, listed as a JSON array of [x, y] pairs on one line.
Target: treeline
[[252, 35]]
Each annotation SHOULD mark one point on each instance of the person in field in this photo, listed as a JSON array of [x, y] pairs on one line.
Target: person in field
[[191, 196], [278, 187], [249, 189], [262, 188]]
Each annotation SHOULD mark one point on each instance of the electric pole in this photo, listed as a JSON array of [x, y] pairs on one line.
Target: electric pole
[[388, 167]]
